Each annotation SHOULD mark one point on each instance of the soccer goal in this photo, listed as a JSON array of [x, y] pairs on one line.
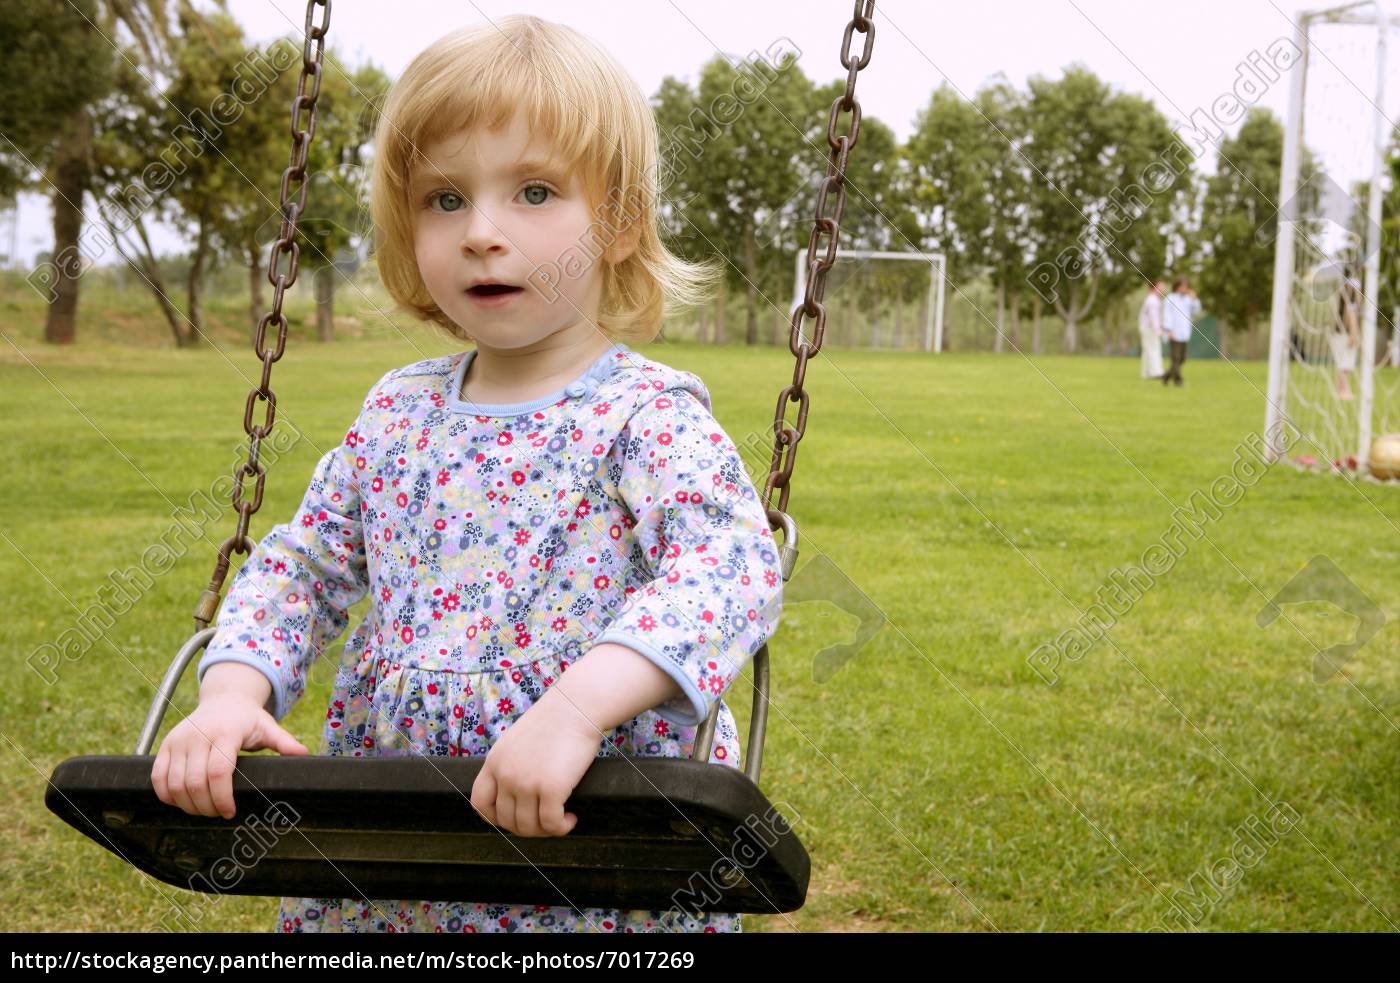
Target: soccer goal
[[1330, 274], [878, 299]]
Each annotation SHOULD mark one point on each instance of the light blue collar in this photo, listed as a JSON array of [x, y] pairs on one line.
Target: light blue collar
[[582, 387]]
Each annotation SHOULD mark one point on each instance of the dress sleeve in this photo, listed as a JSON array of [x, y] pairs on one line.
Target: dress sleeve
[[291, 597], [708, 587]]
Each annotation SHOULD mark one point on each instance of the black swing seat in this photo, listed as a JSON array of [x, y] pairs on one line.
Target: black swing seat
[[653, 833]]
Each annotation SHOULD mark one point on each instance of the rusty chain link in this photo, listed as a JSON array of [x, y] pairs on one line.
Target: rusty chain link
[[286, 245], [786, 437]]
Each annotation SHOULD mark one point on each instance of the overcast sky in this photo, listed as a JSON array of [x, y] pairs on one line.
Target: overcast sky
[[1183, 55]]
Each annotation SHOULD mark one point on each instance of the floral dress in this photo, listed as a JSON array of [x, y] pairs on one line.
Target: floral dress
[[498, 543]]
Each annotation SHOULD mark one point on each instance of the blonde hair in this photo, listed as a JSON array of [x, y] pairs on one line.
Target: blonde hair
[[602, 128]]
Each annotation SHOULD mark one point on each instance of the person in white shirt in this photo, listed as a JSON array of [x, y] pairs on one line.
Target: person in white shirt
[[1178, 310], [1150, 330]]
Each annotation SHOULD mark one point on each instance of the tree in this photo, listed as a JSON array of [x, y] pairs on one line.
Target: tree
[[688, 226], [54, 65], [81, 38], [334, 232], [1006, 175], [249, 219], [212, 125], [744, 157], [879, 215], [202, 147], [953, 207], [1106, 170], [754, 160], [131, 158], [1240, 208]]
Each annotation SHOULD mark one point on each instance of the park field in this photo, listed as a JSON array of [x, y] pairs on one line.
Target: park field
[[1185, 771]]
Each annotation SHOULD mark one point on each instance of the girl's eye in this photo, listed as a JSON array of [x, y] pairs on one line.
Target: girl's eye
[[536, 194], [446, 196]]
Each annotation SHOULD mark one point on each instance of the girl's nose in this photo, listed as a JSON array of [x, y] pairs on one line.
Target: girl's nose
[[482, 234]]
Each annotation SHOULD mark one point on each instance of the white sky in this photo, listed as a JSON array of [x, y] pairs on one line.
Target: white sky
[[1181, 54]]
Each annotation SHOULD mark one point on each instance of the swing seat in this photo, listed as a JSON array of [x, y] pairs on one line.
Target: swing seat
[[652, 833]]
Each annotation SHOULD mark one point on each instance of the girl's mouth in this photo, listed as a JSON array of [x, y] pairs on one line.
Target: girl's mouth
[[493, 294]]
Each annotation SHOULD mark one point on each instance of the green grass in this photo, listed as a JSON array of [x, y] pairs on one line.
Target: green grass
[[979, 501]]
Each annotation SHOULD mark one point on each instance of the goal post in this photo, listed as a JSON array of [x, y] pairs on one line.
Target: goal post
[[1338, 129], [938, 266]]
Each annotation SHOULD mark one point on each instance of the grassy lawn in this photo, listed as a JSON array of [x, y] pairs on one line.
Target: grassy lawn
[[979, 501]]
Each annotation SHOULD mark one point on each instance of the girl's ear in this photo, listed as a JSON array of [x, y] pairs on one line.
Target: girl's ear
[[624, 244]]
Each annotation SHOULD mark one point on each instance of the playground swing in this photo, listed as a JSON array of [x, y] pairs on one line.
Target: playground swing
[[652, 832]]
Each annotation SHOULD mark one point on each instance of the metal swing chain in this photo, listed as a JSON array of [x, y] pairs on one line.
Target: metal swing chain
[[286, 245], [786, 437]]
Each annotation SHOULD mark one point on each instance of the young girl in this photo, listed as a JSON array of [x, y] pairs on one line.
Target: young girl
[[564, 555]]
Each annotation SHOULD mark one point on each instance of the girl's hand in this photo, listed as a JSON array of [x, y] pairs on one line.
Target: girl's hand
[[194, 767], [533, 768]]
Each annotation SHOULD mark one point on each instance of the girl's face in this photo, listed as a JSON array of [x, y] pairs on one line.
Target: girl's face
[[490, 209]]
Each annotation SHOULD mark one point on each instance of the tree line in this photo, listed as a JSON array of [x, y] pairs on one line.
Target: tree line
[[1065, 196]]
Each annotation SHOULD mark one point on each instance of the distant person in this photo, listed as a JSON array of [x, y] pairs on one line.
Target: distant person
[[1178, 310], [1345, 336], [1151, 331]]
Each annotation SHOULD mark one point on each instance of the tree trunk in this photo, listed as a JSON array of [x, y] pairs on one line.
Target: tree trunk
[[156, 279], [1251, 337], [721, 300], [751, 287], [947, 335], [1224, 334], [702, 327], [925, 342], [147, 267], [196, 284], [1072, 311], [899, 314], [999, 341], [72, 173], [255, 282], [1036, 306], [325, 303], [848, 290], [1015, 302]]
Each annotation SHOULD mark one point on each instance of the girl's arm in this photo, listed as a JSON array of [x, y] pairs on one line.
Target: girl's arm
[[611, 686], [705, 581], [291, 597]]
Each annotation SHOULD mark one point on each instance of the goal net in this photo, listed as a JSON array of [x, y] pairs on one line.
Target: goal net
[[1334, 355], [876, 299]]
